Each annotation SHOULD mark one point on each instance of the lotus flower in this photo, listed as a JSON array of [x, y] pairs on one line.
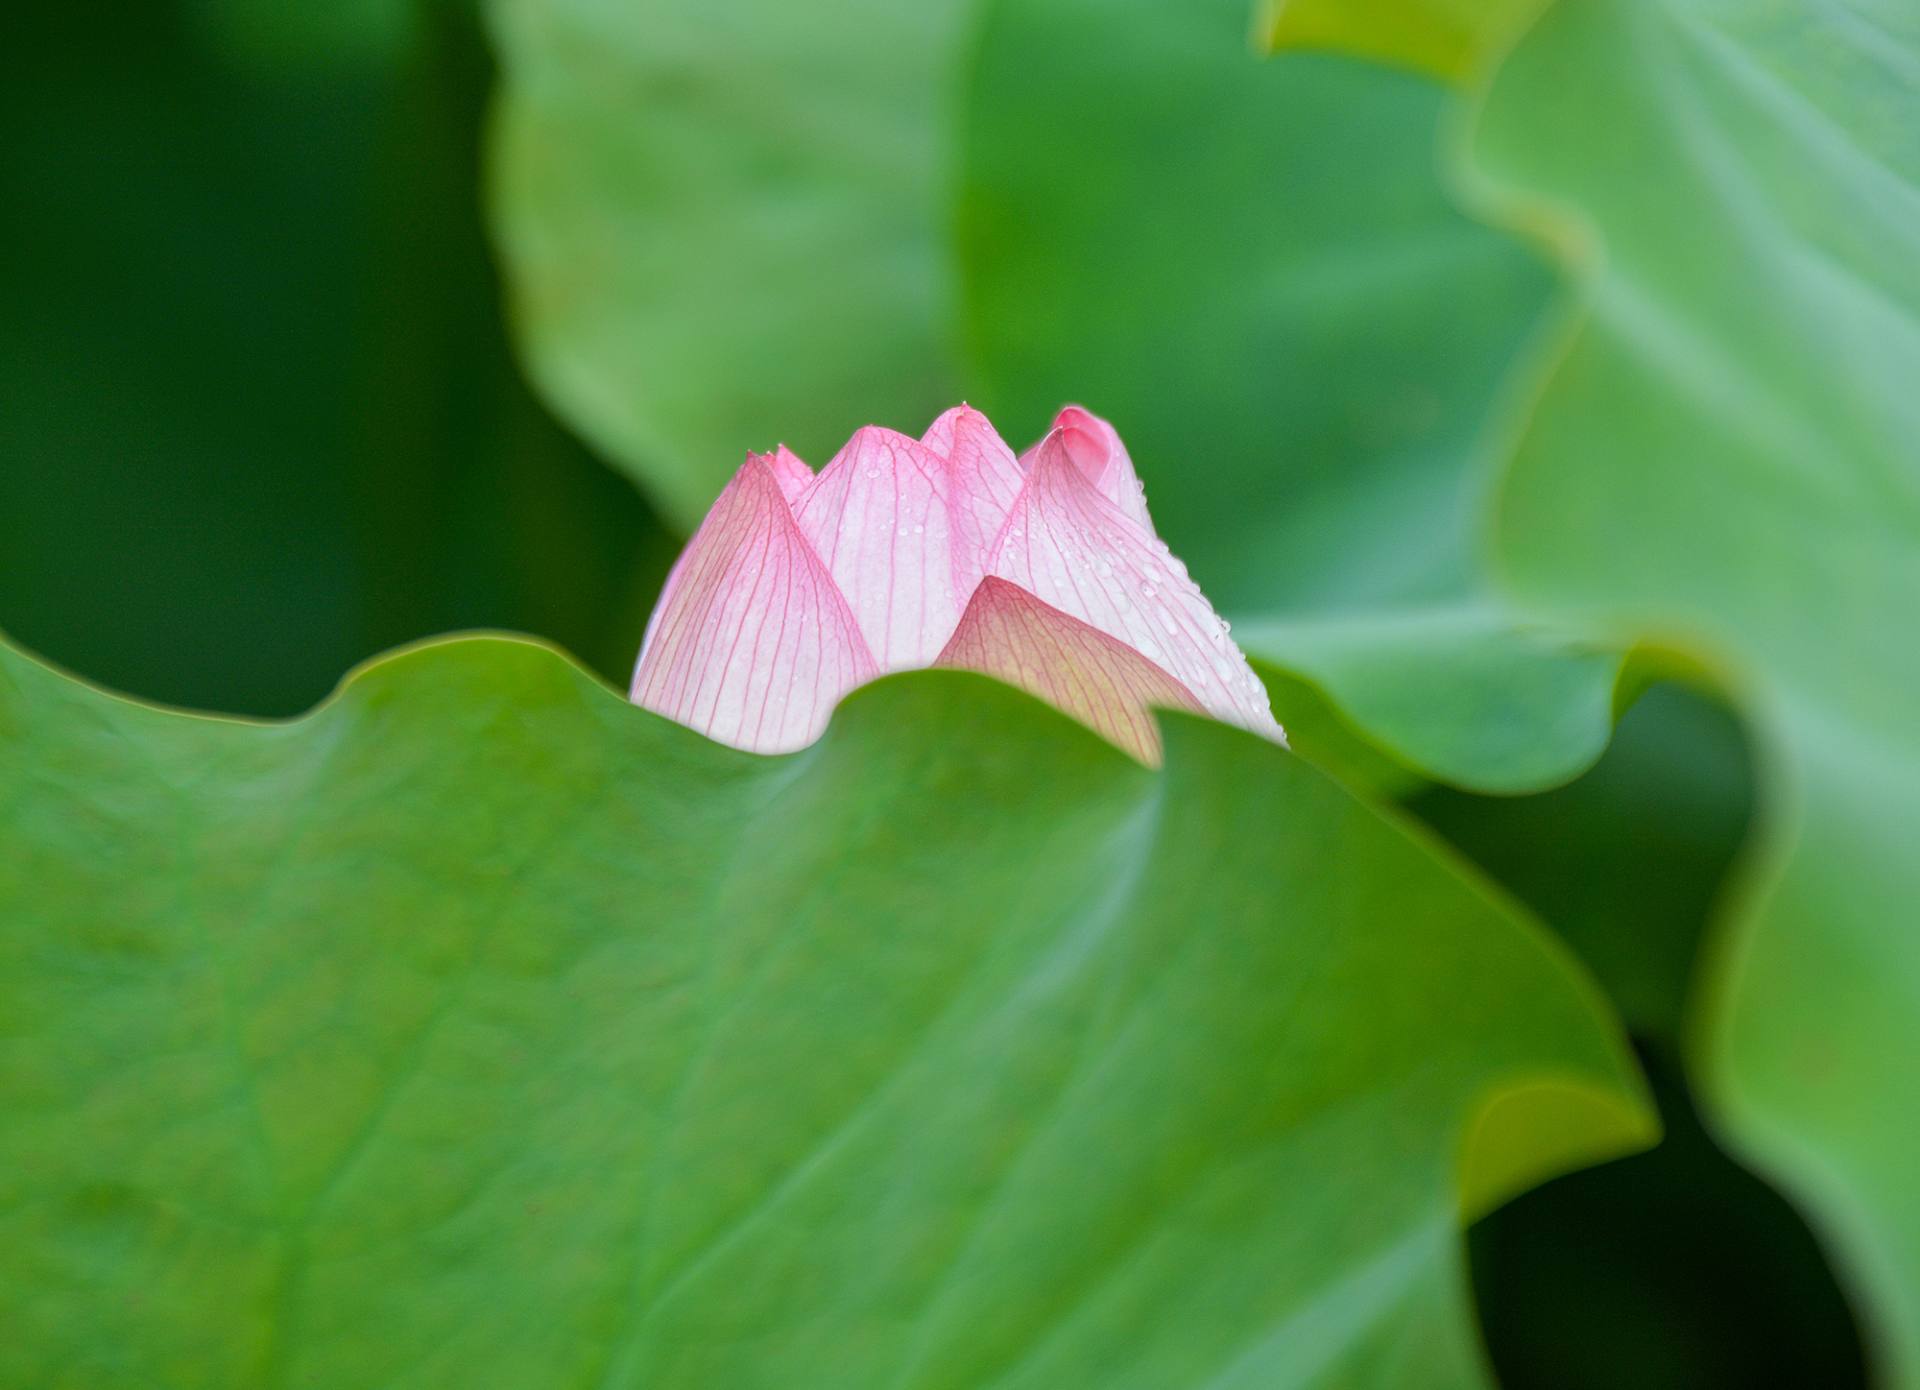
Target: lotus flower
[[1042, 570]]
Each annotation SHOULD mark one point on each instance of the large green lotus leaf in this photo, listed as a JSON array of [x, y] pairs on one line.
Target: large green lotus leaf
[[724, 223], [1728, 452], [481, 1029], [1251, 265]]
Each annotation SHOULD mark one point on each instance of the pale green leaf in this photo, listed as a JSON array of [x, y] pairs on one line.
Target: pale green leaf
[[724, 223], [1251, 266], [1727, 456]]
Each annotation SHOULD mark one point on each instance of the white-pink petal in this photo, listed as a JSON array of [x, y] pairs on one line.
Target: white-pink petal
[[1073, 548], [752, 643], [790, 471], [984, 480], [1008, 633], [904, 526], [1095, 448], [877, 516]]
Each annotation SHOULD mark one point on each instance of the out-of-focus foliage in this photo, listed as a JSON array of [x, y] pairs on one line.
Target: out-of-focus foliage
[[1673, 1268], [1446, 38], [1729, 452], [1725, 453], [1628, 862], [1249, 265], [1300, 336], [727, 223], [698, 1068], [258, 418]]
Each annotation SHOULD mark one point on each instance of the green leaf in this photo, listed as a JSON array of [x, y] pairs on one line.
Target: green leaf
[[1628, 863], [1251, 266], [724, 223], [481, 1029], [1727, 454], [1449, 39]]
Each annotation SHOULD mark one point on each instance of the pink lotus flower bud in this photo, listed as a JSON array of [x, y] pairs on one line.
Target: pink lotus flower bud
[[1043, 571]]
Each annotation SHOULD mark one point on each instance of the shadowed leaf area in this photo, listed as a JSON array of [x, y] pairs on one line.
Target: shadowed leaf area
[[1673, 1268], [260, 419]]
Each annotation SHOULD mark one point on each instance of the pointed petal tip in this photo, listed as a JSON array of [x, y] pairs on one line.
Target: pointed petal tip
[[751, 643], [788, 469]]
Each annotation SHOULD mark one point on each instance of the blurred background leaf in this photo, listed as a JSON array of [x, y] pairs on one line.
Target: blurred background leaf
[[725, 224], [1249, 265], [260, 417], [1723, 457], [1451, 39], [1675, 1267], [1728, 455]]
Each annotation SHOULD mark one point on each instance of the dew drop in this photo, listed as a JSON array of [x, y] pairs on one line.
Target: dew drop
[[1148, 591]]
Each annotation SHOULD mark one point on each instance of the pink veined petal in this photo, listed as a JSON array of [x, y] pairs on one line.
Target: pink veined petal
[[984, 481], [1067, 544], [1095, 447], [752, 643], [790, 471], [877, 518], [1008, 633]]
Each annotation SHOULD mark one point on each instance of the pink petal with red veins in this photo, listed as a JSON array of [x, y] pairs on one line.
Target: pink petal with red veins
[[905, 528], [1008, 633], [984, 482], [1073, 548], [752, 643], [1096, 450], [790, 471], [877, 517]]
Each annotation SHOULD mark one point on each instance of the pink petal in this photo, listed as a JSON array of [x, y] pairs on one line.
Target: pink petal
[[751, 642], [984, 482], [904, 528], [1095, 448], [1070, 546], [877, 517], [790, 471], [1008, 633]]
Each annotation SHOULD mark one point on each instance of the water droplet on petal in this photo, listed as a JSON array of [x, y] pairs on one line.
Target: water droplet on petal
[[1148, 591]]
